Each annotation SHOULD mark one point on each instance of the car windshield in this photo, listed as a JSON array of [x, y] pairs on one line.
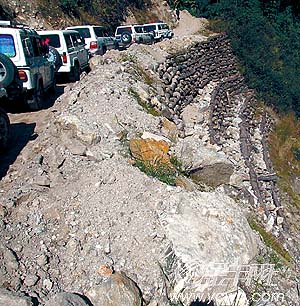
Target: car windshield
[[99, 31], [149, 28], [51, 40], [7, 45], [125, 29], [84, 32]]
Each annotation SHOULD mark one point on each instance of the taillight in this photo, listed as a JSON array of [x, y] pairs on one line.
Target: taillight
[[134, 39], [64, 58], [93, 45], [22, 75]]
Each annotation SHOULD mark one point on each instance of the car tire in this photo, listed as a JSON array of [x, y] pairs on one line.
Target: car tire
[[55, 57], [75, 73], [7, 70], [103, 50], [126, 38], [35, 102], [4, 129], [116, 46]]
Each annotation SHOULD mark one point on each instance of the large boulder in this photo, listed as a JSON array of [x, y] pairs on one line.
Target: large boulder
[[210, 238], [204, 164], [8, 298], [117, 290]]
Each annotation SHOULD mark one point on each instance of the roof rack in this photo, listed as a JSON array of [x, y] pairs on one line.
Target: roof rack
[[13, 24]]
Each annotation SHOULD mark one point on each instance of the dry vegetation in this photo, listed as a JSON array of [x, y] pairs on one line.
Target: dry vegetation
[[285, 154]]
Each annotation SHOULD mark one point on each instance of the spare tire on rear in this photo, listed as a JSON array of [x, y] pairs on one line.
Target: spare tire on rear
[[126, 38], [54, 57], [7, 70]]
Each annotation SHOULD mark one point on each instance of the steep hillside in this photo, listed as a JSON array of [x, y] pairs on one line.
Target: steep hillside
[[55, 14]]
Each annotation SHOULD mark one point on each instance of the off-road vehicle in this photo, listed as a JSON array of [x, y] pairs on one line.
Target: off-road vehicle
[[129, 34], [160, 30], [71, 48], [26, 50], [97, 38]]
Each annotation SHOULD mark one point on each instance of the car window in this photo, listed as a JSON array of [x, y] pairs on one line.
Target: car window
[[122, 30], [99, 31], [138, 29], [35, 46], [7, 45], [150, 28], [84, 32], [27, 46], [68, 41], [80, 40], [164, 26], [74, 40], [52, 40]]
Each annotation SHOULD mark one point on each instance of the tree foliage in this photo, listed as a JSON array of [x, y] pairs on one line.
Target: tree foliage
[[265, 35]]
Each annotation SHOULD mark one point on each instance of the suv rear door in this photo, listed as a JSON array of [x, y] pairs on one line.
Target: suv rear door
[[37, 63], [80, 50]]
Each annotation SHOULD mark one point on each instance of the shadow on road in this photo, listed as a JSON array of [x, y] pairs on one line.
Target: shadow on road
[[19, 106], [20, 135]]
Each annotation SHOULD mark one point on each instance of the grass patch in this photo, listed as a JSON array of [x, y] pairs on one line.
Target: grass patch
[[270, 240], [144, 104], [166, 173], [162, 172], [285, 154]]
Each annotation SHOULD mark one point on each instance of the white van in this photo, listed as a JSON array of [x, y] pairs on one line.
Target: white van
[[71, 48], [160, 30]]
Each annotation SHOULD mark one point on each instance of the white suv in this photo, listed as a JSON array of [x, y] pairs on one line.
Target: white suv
[[26, 50], [125, 35], [71, 47], [96, 38], [160, 30]]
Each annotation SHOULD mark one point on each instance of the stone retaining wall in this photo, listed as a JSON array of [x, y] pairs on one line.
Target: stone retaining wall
[[233, 123]]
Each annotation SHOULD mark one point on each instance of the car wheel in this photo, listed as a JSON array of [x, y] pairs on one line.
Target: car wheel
[[7, 70], [75, 73], [103, 50], [53, 86], [55, 57], [116, 46], [35, 102], [4, 129], [126, 38]]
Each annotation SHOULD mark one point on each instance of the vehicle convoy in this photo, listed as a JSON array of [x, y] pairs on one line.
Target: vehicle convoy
[[160, 30], [26, 50], [71, 49], [128, 34], [96, 38]]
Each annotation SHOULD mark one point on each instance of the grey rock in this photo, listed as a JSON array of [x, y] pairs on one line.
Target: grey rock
[[9, 258], [117, 290], [30, 280], [205, 229], [42, 180], [8, 298], [204, 164], [66, 299]]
